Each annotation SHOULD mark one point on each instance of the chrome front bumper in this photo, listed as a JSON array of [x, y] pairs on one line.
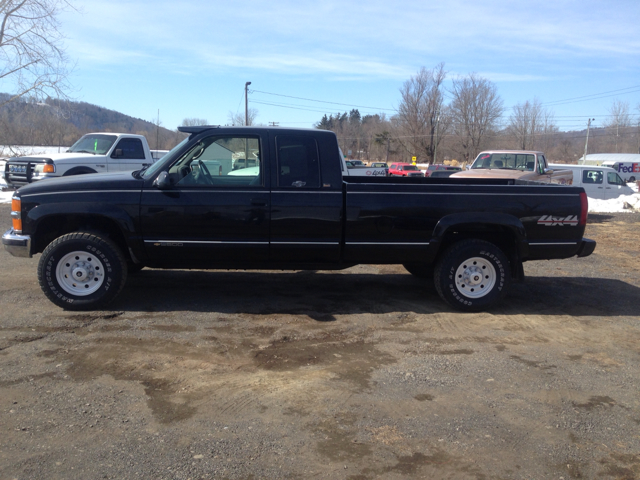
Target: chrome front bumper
[[17, 245]]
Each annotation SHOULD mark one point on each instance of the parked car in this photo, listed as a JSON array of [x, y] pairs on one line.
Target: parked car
[[440, 167], [516, 164], [405, 170], [601, 183], [294, 210]]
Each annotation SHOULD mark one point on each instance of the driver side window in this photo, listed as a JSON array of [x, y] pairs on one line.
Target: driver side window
[[220, 162]]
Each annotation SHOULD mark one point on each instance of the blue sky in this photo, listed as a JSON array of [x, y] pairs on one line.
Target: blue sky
[[192, 59]]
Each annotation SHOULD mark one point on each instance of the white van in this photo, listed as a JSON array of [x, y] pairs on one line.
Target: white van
[[601, 183]]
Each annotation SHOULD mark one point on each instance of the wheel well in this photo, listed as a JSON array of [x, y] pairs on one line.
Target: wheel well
[[78, 171], [501, 236], [55, 226]]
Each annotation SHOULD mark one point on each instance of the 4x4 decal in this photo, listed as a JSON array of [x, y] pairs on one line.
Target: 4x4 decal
[[551, 221]]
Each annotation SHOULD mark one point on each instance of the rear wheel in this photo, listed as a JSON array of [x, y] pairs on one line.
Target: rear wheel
[[81, 271], [472, 275], [632, 179]]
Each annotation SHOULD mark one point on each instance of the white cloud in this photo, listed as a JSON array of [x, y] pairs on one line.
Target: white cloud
[[353, 39]]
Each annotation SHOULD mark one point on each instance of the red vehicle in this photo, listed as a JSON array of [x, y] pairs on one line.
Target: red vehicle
[[405, 170], [439, 166]]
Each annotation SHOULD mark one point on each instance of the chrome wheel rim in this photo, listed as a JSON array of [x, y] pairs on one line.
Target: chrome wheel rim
[[475, 277], [80, 273]]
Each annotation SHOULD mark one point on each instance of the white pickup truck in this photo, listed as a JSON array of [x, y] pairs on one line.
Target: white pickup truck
[[93, 153]]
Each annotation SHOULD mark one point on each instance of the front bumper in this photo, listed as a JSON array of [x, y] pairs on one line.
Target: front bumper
[[587, 247], [17, 245]]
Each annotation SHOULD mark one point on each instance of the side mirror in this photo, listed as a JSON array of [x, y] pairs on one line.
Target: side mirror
[[548, 170], [162, 181], [117, 153]]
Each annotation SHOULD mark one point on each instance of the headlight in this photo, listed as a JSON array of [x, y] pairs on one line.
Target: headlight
[[18, 168], [44, 168]]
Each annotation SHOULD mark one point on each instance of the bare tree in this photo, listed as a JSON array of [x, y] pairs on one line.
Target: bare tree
[[194, 122], [237, 119], [619, 119], [475, 110], [421, 114], [530, 124], [32, 57]]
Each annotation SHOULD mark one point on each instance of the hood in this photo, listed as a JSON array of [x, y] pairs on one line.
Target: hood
[[59, 157], [491, 173], [89, 181]]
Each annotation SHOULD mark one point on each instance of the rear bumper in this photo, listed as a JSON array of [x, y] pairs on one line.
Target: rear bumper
[[17, 245], [587, 247]]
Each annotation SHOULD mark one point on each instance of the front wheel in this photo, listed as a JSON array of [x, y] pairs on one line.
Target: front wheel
[[472, 275], [81, 271]]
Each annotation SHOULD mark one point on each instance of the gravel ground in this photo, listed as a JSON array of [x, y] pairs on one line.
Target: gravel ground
[[359, 374]]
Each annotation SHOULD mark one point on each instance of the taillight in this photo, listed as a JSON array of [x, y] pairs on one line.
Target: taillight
[[584, 208], [16, 214]]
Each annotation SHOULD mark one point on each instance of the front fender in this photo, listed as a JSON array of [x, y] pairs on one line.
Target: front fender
[[41, 218]]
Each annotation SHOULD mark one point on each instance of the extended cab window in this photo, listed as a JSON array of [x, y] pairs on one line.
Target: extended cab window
[[298, 161], [129, 148], [220, 162]]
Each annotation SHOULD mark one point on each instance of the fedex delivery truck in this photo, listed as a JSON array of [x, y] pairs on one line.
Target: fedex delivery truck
[[628, 171]]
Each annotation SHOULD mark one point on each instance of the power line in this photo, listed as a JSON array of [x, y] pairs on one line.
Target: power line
[[323, 101], [594, 96]]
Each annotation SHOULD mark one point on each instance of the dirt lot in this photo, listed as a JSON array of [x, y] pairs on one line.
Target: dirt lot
[[359, 374]]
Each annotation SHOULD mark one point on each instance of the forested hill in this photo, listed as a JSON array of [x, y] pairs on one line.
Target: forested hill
[[55, 122]]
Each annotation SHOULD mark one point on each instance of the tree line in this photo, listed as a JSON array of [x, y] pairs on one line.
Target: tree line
[[437, 124]]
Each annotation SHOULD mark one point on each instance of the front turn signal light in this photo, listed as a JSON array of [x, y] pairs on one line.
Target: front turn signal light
[[16, 214], [49, 168]]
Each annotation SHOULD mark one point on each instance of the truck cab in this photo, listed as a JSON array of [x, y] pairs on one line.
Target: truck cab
[[526, 165]]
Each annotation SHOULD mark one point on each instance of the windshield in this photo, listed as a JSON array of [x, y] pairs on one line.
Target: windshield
[[509, 161], [96, 144], [410, 167], [155, 168]]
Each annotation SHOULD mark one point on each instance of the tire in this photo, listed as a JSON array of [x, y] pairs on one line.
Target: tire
[[81, 271], [419, 270], [472, 275], [632, 179]]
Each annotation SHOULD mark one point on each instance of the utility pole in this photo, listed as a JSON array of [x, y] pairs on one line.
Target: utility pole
[[246, 103], [158, 131], [586, 143]]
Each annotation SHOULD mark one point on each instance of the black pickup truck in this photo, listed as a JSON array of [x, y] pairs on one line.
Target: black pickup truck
[[276, 198]]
